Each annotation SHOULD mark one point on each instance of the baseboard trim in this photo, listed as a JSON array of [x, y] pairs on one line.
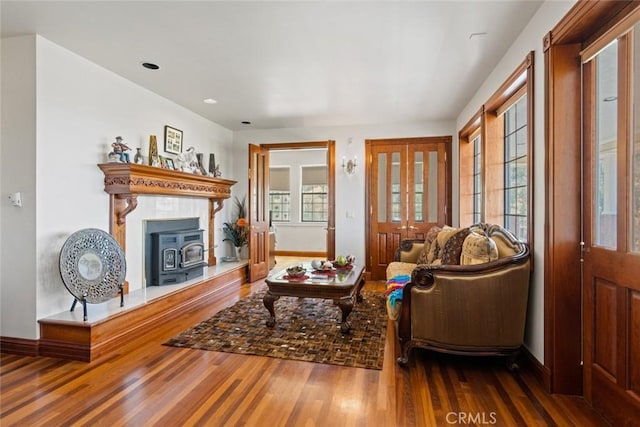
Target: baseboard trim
[[322, 255], [540, 372], [19, 346]]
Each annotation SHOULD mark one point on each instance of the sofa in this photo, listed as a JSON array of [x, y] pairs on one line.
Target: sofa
[[460, 291]]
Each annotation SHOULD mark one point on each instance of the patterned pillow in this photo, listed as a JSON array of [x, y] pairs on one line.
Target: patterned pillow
[[478, 248], [428, 242], [453, 248], [441, 240]]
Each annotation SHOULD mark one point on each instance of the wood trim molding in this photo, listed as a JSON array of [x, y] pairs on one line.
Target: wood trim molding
[[304, 254], [19, 346], [471, 126], [585, 22], [125, 181], [537, 369]]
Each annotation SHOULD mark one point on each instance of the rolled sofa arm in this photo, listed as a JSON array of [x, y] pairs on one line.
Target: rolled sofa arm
[[409, 250]]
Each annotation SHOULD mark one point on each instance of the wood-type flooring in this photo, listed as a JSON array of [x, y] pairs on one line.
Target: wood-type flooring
[[147, 384]]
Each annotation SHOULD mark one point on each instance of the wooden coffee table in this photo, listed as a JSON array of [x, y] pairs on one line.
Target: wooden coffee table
[[343, 288]]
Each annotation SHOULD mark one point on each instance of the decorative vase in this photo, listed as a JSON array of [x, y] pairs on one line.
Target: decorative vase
[[153, 149], [138, 157], [238, 249]]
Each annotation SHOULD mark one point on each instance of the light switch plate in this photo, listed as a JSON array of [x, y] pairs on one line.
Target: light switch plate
[[16, 199]]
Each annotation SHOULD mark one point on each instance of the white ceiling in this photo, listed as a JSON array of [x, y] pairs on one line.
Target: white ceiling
[[289, 64]]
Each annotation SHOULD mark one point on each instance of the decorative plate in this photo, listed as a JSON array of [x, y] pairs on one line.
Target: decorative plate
[[92, 265]]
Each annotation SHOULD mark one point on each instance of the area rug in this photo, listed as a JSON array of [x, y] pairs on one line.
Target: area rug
[[306, 329]]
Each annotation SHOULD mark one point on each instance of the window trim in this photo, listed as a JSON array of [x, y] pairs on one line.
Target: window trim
[[489, 119]]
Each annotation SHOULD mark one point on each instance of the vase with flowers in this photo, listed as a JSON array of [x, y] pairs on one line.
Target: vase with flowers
[[237, 231]]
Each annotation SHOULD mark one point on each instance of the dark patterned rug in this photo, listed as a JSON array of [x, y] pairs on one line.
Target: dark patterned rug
[[306, 329]]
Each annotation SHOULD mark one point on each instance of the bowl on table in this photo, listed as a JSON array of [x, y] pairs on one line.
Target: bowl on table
[[296, 271]]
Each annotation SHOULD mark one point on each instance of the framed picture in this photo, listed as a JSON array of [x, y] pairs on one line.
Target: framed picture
[[172, 140], [168, 163]]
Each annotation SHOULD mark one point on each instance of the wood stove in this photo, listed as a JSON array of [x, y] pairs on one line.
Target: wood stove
[[177, 256]]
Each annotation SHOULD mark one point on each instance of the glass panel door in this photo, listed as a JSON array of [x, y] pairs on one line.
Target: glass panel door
[[606, 147]]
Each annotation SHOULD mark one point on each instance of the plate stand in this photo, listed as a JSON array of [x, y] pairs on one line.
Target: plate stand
[[83, 301]]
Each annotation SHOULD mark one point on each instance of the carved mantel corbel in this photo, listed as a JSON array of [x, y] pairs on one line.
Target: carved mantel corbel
[[125, 204], [125, 181]]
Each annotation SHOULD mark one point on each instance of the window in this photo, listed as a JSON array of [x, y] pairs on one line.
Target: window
[[477, 180], [496, 157], [471, 172], [315, 206], [515, 169], [279, 194]]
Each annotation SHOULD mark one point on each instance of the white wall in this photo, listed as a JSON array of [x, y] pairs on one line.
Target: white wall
[[530, 39], [350, 195], [18, 173], [80, 109]]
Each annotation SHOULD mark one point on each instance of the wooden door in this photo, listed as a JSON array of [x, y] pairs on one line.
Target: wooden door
[[258, 213], [331, 197], [407, 180], [611, 189]]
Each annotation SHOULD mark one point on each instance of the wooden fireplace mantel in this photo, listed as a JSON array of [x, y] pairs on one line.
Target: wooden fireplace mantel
[[125, 181]]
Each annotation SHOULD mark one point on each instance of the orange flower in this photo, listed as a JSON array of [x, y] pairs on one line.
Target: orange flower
[[242, 222]]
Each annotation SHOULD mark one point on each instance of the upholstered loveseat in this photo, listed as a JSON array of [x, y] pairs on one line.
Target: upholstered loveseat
[[466, 292]]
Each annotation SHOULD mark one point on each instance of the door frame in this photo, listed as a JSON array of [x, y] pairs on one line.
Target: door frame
[[368, 208], [330, 145], [585, 21]]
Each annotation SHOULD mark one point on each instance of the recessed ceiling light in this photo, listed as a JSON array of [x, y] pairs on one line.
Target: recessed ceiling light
[[245, 122], [210, 101], [150, 66]]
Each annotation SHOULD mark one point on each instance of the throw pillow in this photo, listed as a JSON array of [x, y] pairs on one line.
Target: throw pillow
[[438, 244], [453, 248], [478, 248], [428, 242]]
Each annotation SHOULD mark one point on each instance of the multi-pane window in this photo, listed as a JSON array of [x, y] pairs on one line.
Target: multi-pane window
[[477, 179], [279, 194], [516, 170], [280, 205], [315, 201]]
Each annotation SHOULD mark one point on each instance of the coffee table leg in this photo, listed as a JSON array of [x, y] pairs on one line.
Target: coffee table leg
[[268, 301], [346, 305], [360, 285]]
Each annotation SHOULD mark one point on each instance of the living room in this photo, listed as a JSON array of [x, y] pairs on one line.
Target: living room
[[61, 111]]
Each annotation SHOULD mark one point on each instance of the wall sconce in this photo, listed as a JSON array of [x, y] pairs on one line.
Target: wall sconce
[[349, 166]]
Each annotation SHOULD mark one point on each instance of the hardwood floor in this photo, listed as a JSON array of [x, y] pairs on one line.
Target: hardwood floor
[[146, 383]]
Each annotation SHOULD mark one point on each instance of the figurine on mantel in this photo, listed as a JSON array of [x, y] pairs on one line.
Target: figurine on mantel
[[119, 153]]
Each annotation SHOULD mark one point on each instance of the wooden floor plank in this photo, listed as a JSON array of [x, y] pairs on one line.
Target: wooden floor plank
[[147, 383]]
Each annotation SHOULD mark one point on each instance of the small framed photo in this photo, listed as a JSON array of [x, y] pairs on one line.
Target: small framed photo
[[168, 164], [172, 140]]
